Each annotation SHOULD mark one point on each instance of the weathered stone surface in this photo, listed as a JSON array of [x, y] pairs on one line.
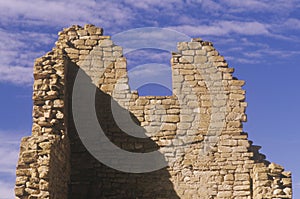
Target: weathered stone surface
[[198, 129]]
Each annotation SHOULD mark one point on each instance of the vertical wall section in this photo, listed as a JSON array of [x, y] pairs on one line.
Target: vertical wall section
[[43, 166], [198, 130]]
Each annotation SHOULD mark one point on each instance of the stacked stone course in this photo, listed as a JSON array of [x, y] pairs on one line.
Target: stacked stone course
[[207, 106]]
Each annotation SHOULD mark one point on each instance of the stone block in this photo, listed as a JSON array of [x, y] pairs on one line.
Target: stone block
[[170, 118], [209, 158], [194, 45], [200, 59], [241, 177], [168, 127], [105, 43]]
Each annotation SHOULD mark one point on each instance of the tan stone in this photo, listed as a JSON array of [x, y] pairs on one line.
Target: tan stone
[[188, 52], [186, 59], [168, 127], [72, 51], [19, 190], [241, 176], [170, 118], [200, 59], [229, 177], [207, 153], [105, 43]]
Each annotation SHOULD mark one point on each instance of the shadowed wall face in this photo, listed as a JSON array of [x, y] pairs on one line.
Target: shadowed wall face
[[197, 131], [92, 179]]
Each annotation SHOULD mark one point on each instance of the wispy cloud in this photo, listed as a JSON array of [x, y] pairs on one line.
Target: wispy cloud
[[293, 24], [144, 56], [62, 13], [17, 75], [18, 51], [242, 60], [6, 189], [151, 4], [259, 6], [8, 164], [150, 74], [210, 5], [220, 20], [25, 34], [287, 24], [9, 148], [268, 52], [223, 28]]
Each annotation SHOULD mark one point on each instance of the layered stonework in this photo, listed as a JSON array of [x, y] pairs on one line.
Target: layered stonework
[[198, 130]]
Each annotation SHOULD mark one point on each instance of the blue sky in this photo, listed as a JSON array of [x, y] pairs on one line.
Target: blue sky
[[260, 39]]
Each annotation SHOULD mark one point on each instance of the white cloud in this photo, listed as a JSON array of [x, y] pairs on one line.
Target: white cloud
[[63, 13], [248, 43], [145, 56], [7, 190], [211, 7], [149, 37], [224, 28], [17, 75], [158, 5], [253, 54], [291, 24], [150, 73], [9, 148], [18, 51], [276, 6], [8, 164], [247, 4], [150, 4], [269, 52], [242, 60]]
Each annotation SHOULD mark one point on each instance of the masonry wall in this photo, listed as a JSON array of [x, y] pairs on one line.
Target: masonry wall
[[198, 130]]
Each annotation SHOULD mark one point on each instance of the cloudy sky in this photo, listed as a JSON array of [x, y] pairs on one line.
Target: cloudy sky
[[259, 38]]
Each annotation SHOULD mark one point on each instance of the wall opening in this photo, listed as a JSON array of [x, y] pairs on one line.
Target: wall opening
[[149, 72]]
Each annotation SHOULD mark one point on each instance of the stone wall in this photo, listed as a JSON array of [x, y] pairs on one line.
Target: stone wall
[[198, 130]]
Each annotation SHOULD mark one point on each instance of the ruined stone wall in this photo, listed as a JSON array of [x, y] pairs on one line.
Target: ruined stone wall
[[198, 130], [44, 156]]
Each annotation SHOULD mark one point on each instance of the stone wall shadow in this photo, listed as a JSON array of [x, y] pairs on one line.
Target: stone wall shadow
[[90, 179]]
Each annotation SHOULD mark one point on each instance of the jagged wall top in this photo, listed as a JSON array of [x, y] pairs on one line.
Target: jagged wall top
[[51, 163]]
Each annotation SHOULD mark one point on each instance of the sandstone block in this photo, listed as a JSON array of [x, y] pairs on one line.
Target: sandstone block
[[200, 59], [287, 182], [182, 46], [188, 52], [105, 43], [19, 190], [229, 177], [186, 59], [184, 126], [120, 64], [239, 97], [241, 176], [170, 118], [224, 194], [186, 118], [168, 127], [29, 156], [194, 45], [91, 42], [72, 51]]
